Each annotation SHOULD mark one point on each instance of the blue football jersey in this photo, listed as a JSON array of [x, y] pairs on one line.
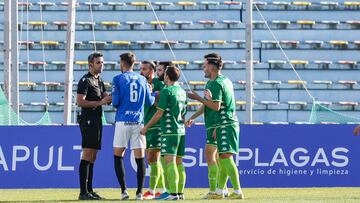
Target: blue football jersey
[[130, 93]]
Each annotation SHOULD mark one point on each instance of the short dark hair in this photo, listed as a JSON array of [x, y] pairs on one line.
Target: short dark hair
[[214, 59], [129, 58], [173, 73], [165, 63], [94, 55], [152, 64]]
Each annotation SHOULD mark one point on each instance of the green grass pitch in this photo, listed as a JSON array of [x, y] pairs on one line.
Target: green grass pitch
[[192, 195]]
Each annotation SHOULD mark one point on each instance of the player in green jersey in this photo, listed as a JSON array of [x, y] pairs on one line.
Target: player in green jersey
[[153, 135], [221, 124], [171, 111]]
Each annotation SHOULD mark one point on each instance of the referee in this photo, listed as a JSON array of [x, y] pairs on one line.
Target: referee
[[91, 96]]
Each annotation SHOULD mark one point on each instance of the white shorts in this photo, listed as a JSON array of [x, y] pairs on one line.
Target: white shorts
[[125, 132]]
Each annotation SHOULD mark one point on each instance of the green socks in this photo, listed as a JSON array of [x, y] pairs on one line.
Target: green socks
[[164, 166], [161, 180], [172, 178], [154, 175], [231, 171], [222, 176], [213, 171], [182, 178]]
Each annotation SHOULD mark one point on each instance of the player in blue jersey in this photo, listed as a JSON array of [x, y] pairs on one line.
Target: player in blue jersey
[[130, 93]]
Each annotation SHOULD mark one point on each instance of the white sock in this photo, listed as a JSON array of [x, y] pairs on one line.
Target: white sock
[[238, 192], [161, 190], [152, 191]]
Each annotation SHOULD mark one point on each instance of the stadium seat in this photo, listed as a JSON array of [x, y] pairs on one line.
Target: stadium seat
[[274, 84], [158, 23], [299, 63], [186, 3], [193, 105], [37, 24], [283, 5], [216, 41], [298, 83], [144, 44], [207, 22], [305, 23], [139, 4], [348, 103], [301, 3], [49, 44], [58, 64], [325, 82], [61, 25], [297, 105], [231, 23], [121, 43], [330, 24], [292, 44], [132, 24], [258, 24], [348, 83], [281, 24], [163, 3], [24, 4], [244, 61], [115, 3], [52, 86], [86, 25], [93, 4], [354, 24], [352, 4], [324, 103], [170, 42], [82, 64], [28, 84], [276, 63], [347, 63], [197, 84], [45, 5], [339, 43], [110, 24], [192, 43], [323, 64], [269, 104]]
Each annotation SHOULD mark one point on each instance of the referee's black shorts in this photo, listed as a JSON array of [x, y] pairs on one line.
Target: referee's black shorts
[[91, 132]]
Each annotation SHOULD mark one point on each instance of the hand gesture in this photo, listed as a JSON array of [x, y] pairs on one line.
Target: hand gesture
[[214, 134], [208, 94], [188, 123], [143, 131], [193, 95], [356, 130]]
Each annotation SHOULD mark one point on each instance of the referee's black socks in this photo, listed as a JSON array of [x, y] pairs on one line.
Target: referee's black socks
[[90, 177], [83, 174], [120, 171], [141, 169]]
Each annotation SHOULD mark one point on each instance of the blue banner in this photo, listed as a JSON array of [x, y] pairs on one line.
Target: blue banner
[[270, 156]]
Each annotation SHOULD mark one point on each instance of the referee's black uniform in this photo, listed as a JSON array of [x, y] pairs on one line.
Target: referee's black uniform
[[90, 118]]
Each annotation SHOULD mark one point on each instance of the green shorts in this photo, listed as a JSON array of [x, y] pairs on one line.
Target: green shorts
[[153, 138], [227, 138], [209, 137], [173, 145]]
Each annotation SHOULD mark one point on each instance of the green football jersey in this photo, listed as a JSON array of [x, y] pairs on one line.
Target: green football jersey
[[173, 103], [149, 111], [222, 90]]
